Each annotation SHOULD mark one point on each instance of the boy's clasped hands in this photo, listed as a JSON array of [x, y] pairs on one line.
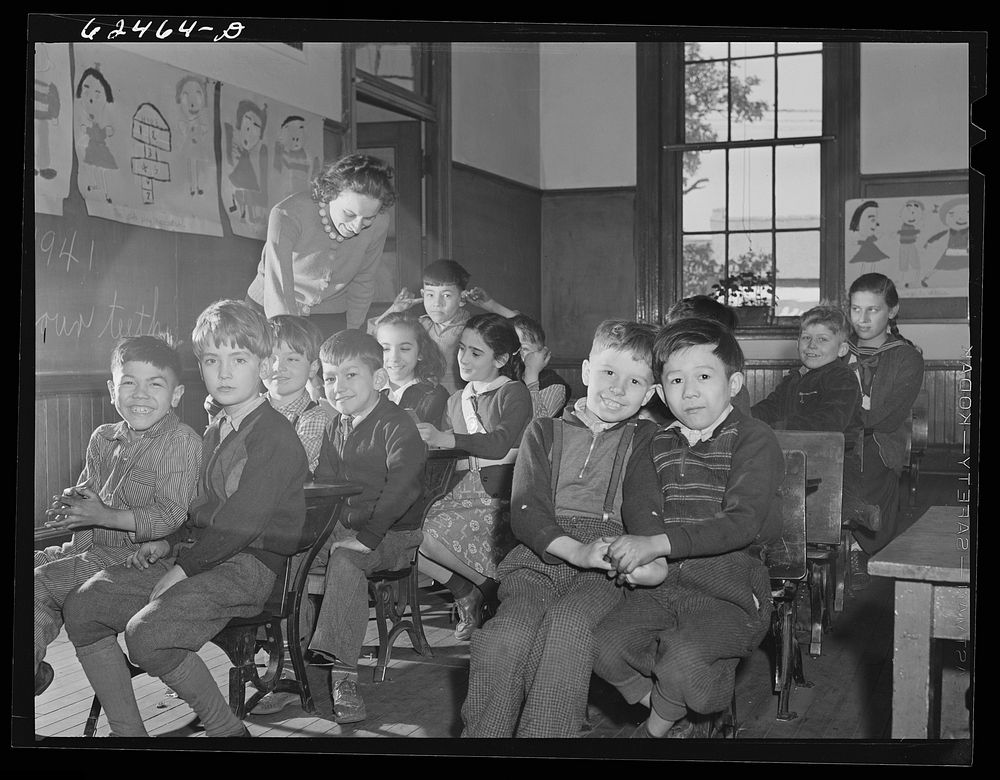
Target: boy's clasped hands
[[628, 559]]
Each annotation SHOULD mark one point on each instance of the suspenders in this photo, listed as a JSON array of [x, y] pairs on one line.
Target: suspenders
[[616, 470], [295, 420]]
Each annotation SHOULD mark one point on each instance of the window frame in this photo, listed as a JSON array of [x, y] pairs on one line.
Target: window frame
[[659, 175]]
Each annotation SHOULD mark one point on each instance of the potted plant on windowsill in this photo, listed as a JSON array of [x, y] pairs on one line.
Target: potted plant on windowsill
[[751, 294]]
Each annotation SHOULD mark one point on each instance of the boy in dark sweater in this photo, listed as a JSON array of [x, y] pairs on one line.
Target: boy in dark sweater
[[823, 395], [712, 483], [176, 594], [375, 444], [530, 665]]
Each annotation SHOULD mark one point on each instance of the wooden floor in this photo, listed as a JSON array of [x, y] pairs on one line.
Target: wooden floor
[[849, 697]]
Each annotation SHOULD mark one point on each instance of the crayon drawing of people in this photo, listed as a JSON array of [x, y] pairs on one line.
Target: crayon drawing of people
[[93, 129], [911, 221], [865, 223], [954, 214], [197, 142], [46, 112], [291, 159], [248, 176]]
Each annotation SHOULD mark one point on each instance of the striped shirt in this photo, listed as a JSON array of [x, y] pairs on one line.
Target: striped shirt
[[309, 421], [154, 474]]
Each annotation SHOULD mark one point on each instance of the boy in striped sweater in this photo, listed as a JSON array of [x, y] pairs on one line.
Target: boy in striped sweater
[[712, 480]]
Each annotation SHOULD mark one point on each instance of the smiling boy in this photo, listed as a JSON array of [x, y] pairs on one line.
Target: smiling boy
[[712, 482], [530, 665], [137, 481], [223, 562], [375, 444], [823, 395]]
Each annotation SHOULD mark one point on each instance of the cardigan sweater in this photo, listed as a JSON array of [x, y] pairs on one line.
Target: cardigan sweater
[[582, 485], [250, 496], [895, 386], [505, 412], [426, 399], [822, 399], [303, 271], [385, 455], [716, 497]]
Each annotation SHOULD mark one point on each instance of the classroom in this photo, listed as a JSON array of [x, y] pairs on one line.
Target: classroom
[[502, 192]]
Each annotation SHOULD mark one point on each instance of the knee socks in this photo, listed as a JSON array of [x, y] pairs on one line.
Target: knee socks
[[104, 664], [195, 684]]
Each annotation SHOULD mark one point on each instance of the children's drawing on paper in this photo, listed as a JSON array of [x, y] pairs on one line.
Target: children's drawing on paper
[[911, 218], [292, 166], [151, 137], [924, 248], [247, 158], [865, 224], [46, 111], [94, 127], [954, 256], [195, 131]]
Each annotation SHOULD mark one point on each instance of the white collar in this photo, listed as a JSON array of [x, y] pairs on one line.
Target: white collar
[[693, 436], [397, 395], [468, 391]]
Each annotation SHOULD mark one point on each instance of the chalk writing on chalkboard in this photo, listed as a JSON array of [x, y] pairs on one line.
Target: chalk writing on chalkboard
[[47, 245], [122, 319]]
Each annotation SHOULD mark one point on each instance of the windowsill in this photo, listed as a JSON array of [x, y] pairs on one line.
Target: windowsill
[[780, 331]]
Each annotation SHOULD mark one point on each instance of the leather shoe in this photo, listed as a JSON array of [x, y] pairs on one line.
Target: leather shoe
[[470, 614], [317, 658], [43, 677]]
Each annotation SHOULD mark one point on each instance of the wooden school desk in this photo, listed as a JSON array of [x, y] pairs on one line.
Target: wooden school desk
[[931, 570]]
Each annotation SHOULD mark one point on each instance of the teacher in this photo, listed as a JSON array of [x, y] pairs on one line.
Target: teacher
[[323, 246]]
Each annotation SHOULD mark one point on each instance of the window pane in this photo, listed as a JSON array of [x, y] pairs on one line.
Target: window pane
[[797, 259], [742, 49], [796, 191], [800, 95], [785, 48], [704, 193], [706, 98], [706, 50], [752, 99], [750, 182], [702, 264], [753, 253], [393, 62]]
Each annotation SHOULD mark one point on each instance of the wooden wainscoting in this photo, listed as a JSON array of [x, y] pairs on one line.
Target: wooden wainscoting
[[941, 380]]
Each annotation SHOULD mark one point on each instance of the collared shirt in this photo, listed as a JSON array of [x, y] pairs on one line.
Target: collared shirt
[[397, 395], [309, 423], [153, 473], [357, 418], [469, 411], [237, 415], [590, 419], [438, 329], [693, 436]]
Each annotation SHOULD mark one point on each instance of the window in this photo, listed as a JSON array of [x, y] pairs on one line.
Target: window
[[750, 168], [399, 64]]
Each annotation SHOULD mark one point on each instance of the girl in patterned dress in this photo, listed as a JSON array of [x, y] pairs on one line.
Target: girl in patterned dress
[[467, 533]]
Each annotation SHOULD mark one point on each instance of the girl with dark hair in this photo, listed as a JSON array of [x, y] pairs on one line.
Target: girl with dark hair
[[890, 371], [467, 533], [323, 247], [865, 222], [94, 95], [414, 365]]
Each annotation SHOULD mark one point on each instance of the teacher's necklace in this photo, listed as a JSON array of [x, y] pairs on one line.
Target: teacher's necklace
[[324, 217]]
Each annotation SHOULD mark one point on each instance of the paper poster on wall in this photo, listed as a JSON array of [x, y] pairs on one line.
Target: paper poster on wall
[[144, 141], [269, 151], [920, 242], [53, 127]]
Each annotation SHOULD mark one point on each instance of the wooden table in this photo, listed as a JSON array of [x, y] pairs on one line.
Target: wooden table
[[930, 563]]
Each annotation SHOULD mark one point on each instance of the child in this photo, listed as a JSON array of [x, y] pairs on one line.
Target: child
[[374, 443], [549, 391], [443, 296], [823, 395], [890, 371], [530, 665], [137, 481], [178, 593], [414, 366], [295, 361], [713, 479], [467, 532]]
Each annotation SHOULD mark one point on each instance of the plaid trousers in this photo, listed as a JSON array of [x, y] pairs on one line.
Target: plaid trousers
[[530, 666]]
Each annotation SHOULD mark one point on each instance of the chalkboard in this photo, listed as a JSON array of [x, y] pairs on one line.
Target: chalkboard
[[97, 280]]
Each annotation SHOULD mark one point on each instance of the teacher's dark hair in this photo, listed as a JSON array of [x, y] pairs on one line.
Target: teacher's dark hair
[[359, 173]]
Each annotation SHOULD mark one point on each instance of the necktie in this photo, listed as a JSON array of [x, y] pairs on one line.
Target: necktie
[[346, 425]]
